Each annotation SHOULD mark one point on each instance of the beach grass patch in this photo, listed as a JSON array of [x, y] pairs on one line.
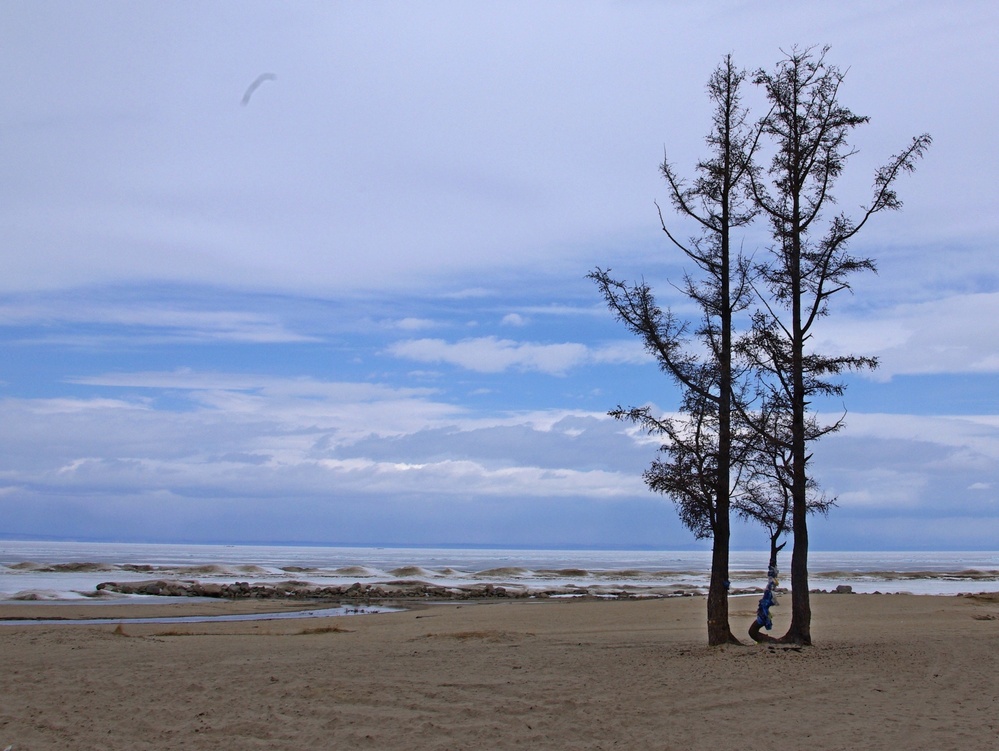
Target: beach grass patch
[[489, 635], [325, 630]]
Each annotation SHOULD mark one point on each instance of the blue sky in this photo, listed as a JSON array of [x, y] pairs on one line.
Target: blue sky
[[355, 310]]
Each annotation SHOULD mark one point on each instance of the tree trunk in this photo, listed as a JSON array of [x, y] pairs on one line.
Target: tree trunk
[[801, 609], [719, 631], [799, 631]]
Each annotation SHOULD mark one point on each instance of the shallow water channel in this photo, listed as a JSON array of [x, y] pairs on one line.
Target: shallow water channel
[[281, 616]]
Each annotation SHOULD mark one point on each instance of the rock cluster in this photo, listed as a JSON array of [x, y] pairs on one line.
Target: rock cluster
[[392, 590], [297, 590], [841, 589]]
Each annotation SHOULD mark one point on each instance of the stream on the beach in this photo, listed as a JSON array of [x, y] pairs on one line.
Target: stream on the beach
[[347, 610]]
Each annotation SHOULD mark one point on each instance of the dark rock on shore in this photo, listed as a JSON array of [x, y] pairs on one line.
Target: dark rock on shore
[[298, 590], [399, 589]]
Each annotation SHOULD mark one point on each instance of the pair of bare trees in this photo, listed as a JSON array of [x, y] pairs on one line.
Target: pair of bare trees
[[739, 441]]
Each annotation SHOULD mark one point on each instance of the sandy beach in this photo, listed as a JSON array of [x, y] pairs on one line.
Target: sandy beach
[[886, 672]]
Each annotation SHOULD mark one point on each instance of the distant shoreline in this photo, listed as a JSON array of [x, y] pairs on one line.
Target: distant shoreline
[[67, 571]]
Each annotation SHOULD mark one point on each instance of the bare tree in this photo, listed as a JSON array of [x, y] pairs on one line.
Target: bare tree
[[697, 471], [808, 264]]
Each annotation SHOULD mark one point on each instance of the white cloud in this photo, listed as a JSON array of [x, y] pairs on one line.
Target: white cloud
[[882, 489], [415, 324], [954, 334], [911, 466], [490, 354], [630, 352], [978, 434], [352, 409], [286, 438], [67, 406], [147, 322], [285, 441], [513, 319], [568, 311]]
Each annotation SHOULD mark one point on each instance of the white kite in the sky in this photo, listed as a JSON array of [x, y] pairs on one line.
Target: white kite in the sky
[[256, 84]]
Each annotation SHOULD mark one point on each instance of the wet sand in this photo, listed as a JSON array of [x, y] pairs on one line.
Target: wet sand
[[886, 672]]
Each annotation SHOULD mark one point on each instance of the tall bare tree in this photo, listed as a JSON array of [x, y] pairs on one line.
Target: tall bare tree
[[809, 263], [697, 471]]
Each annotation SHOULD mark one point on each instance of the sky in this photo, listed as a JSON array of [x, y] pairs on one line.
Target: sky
[[354, 309]]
